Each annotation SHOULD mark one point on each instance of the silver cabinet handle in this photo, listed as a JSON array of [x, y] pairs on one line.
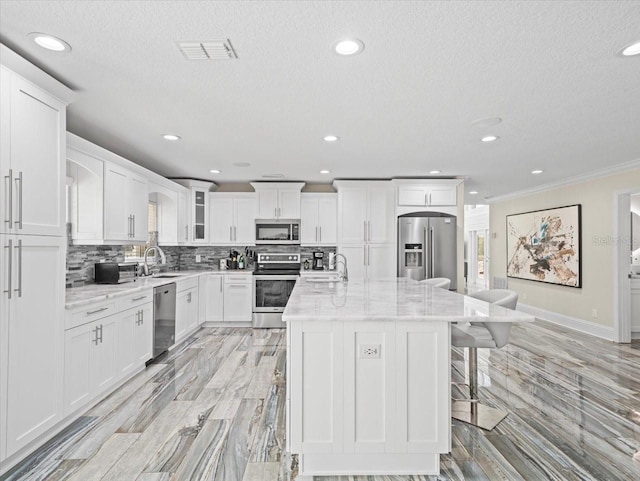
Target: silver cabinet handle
[[133, 223], [130, 233], [320, 233], [237, 286], [275, 212], [220, 284], [231, 233], [19, 247], [433, 251], [137, 318], [316, 233], [95, 339], [194, 232], [138, 298], [97, 310], [19, 182], [365, 231], [9, 178], [141, 316], [186, 232], [235, 233], [100, 333], [10, 268], [189, 297]]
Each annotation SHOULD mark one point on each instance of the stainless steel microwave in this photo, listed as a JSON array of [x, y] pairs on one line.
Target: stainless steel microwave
[[116, 272], [277, 231]]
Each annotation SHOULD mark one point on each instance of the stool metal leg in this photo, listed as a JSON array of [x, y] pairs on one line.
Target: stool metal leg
[[472, 412]]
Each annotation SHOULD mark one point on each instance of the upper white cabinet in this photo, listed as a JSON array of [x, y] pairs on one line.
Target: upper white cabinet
[[232, 218], [85, 196], [170, 221], [427, 193], [278, 200], [198, 210], [32, 149], [318, 219], [365, 212], [126, 203]]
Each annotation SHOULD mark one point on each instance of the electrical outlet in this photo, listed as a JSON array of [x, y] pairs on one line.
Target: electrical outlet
[[198, 258], [594, 312], [369, 351]]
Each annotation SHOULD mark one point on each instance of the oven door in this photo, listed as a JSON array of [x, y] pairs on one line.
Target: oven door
[[271, 292]]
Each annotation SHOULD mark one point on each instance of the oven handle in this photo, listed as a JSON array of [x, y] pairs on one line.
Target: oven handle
[[284, 277]]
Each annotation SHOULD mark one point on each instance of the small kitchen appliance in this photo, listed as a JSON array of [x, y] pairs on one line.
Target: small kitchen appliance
[[318, 258], [115, 272], [277, 231]]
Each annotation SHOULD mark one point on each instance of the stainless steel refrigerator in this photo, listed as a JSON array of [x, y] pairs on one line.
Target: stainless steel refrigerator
[[427, 246]]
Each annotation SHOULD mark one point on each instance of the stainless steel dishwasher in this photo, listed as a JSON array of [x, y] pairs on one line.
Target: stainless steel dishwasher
[[164, 318]]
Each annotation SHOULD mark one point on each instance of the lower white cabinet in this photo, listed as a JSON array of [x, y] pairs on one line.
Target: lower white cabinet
[[211, 298], [135, 338], [91, 365], [635, 306], [186, 308], [238, 298]]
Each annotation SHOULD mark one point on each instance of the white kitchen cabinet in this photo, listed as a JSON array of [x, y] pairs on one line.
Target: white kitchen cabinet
[[168, 221], [318, 219], [91, 363], [198, 209], [366, 221], [32, 167], [232, 218], [211, 298], [126, 205], [278, 200], [428, 193], [635, 306], [187, 317], [183, 217], [135, 337], [86, 209], [31, 336], [238, 298]]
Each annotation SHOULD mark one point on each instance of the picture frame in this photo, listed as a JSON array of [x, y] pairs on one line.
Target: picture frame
[[545, 245]]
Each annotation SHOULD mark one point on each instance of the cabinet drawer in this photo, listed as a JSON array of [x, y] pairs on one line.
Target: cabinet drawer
[[89, 313], [184, 284], [238, 279], [134, 300]]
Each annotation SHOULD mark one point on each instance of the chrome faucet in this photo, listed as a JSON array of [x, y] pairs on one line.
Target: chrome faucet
[[345, 273], [158, 251]]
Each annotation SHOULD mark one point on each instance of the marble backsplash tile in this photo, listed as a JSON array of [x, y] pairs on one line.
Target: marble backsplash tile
[[81, 259]]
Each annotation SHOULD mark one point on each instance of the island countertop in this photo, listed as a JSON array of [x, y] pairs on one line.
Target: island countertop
[[389, 299]]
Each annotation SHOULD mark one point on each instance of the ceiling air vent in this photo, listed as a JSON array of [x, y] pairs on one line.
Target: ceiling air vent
[[209, 50]]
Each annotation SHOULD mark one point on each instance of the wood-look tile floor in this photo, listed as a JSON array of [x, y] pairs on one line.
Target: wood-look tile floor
[[213, 409]]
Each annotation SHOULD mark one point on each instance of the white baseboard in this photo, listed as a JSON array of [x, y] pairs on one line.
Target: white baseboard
[[635, 335], [605, 332]]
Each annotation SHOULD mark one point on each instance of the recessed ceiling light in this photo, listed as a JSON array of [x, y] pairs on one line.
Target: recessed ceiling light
[[490, 138], [486, 122], [50, 42], [434, 171], [325, 171], [172, 137], [331, 138], [215, 171], [349, 46], [241, 164], [629, 50], [537, 171], [473, 192]]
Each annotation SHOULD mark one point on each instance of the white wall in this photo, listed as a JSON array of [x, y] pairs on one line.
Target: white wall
[[597, 200]]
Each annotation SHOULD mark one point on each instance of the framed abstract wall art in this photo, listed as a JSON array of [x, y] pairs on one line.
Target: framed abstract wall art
[[544, 245]]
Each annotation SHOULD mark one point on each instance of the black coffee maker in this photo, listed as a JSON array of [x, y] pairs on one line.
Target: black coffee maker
[[317, 264]]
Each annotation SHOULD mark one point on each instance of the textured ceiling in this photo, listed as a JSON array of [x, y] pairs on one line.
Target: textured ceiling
[[403, 107]]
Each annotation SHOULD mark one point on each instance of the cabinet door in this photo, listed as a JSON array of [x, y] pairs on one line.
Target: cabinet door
[[355, 255], [139, 209], [36, 143], [381, 261], [35, 338], [104, 355], [192, 309], [327, 220], [221, 220], [181, 315], [238, 302], [183, 218], [245, 221], [87, 211], [6, 221], [442, 195], [380, 213], [144, 335], [289, 204], [267, 204], [117, 218], [127, 324], [309, 221], [200, 205], [352, 216], [78, 345], [210, 298], [412, 195]]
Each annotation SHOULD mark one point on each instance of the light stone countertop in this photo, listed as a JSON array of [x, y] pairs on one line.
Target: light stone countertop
[[91, 293], [388, 300]]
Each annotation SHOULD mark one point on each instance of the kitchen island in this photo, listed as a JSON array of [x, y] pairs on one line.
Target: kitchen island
[[368, 366]]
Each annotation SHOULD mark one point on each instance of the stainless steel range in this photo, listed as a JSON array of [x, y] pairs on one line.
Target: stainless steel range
[[273, 280]]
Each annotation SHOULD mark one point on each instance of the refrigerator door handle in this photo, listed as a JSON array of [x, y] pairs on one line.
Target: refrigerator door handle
[[432, 250]]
